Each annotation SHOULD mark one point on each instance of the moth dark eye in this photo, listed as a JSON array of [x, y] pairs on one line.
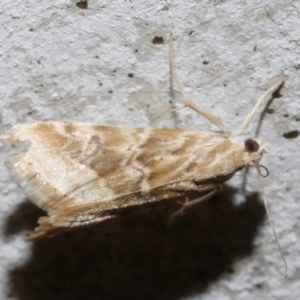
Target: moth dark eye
[[251, 146]]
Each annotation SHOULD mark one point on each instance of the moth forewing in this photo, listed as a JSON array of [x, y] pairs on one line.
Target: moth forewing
[[83, 173]]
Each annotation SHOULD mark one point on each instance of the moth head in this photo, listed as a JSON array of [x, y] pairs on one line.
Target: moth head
[[254, 150]]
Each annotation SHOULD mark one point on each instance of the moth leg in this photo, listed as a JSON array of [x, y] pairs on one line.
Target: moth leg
[[263, 97], [189, 103], [188, 204]]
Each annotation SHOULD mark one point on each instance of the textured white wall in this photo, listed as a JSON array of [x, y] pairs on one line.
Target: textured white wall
[[61, 62]]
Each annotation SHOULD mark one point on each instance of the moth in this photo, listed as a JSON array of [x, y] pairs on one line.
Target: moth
[[81, 173]]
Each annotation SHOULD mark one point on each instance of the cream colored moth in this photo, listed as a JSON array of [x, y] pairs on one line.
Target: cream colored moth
[[81, 173]]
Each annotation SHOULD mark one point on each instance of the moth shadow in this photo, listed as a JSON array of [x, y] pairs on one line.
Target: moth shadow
[[23, 218], [138, 257]]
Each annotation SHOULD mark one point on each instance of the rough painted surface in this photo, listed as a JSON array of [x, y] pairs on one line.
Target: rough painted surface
[[106, 64]]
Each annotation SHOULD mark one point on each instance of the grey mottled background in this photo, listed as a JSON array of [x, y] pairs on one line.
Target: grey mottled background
[[109, 64]]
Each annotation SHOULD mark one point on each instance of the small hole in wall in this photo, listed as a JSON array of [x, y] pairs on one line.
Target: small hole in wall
[[31, 29], [270, 111], [297, 67], [286, 115], [82, 4], [205, 62], [136, 50], [130, 75], [110, 91], [191, 32], [158, 40], [291, 135]]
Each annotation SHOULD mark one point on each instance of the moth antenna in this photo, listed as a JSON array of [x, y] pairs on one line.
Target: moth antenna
[[189, 103], [260, 175], [263, 97], [166, 111]]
